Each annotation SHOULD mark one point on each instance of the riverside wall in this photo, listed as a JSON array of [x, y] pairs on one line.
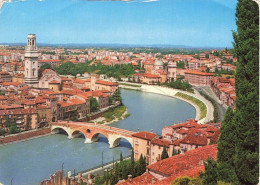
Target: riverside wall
[[24, 135]]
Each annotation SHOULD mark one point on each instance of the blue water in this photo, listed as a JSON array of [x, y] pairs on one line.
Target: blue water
[[34, 160]]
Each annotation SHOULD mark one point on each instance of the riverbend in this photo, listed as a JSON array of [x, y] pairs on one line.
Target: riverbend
[[34, 160]]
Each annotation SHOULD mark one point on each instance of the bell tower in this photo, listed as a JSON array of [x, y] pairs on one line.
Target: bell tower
[[31, 62]]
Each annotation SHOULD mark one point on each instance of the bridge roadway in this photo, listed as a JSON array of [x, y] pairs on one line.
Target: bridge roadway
[[91, 131]]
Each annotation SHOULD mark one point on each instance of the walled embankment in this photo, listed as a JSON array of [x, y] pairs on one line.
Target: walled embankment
[[24, 135]]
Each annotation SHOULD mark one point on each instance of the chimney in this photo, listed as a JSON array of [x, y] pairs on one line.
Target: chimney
[[138, 130], [152, 130], [130, 178], [152, 180]]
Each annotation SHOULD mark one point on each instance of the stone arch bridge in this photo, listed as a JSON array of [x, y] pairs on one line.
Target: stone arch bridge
[[91, 132]]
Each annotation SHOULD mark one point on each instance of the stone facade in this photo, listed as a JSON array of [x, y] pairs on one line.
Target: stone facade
[[30, 62]]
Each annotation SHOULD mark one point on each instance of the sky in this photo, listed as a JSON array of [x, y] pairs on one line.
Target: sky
[[197, 23]]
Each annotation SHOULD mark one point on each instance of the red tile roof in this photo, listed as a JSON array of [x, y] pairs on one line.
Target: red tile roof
[[198, 73], [106, 83], [140, 180], [144, 135], [160, 142], [188, 160], [193, 172]]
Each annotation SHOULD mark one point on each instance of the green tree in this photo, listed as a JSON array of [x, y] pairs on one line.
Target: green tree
[[180, 64], [210, 177], [142, 162], [132, 167], [164, 153], [93, 104], [121, 157], [246, 116], [13, 129], [2, 132], [226, 148], [45, 66]]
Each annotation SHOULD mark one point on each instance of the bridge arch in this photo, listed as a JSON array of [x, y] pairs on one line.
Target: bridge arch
[[114, 141], [78, 133], [60, 129], [94, 137]]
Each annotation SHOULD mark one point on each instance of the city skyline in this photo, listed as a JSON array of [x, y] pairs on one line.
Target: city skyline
[[201, 23]]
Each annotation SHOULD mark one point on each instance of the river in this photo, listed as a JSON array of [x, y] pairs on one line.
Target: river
[[29, 162]]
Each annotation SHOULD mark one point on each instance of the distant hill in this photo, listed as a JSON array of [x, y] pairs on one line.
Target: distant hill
[[101, 45]]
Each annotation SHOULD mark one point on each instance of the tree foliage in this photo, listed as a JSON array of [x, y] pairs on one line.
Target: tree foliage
[[93, 104], [210, 177], [116, 71], [180, 64], [246, 116], [164, 153], [226, 148], [238, 146]]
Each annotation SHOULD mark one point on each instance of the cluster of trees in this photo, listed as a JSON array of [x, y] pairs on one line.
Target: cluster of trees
[[179, 84], [48, 52], [11, 128], [224, 72], [238, 145], [115, 97], [117, 71], [180, 64], [122, 169], [93, 105]]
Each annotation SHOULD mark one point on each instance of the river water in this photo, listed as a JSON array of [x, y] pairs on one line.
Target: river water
[[29, 162]]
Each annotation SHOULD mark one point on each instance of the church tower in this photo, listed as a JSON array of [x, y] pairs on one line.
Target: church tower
[[30, 62]]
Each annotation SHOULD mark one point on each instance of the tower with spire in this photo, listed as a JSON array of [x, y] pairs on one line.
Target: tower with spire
[[31, 62]]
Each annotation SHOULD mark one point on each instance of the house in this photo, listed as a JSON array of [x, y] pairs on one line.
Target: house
[[146, 78], [150, 145], [198, 78], [5, 77], [224, 90]]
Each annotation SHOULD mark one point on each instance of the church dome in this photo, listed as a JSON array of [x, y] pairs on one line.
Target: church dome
[[158, 62]]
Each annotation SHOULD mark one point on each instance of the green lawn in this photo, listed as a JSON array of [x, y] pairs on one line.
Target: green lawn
[[132, 85], [114, 113], [200, 104]]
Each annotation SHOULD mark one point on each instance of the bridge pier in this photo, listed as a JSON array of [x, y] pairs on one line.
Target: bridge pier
[[113, 143], [70, 136], [88, 140]]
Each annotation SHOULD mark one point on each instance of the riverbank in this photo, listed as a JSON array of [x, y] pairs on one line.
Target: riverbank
[[24, 136], [166, 91], [105, 119]]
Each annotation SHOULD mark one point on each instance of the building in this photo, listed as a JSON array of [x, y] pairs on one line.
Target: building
[[52, 62], [190, 135], [224, 89], [150, 145], [50, 79], [31, 62], [198, 78], [95, 84], [5, 77], [146, 78], [25, 119], [172, 71]]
